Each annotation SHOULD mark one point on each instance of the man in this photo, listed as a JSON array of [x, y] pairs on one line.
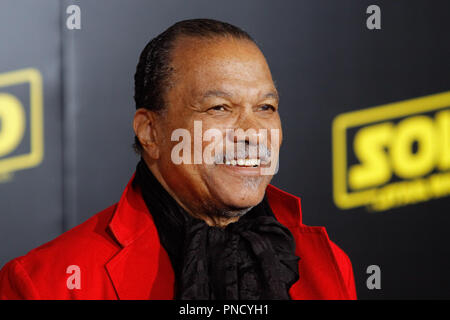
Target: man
[[202, 226]]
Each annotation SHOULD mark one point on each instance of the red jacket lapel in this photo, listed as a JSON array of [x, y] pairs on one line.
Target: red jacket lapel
[[142, 269], [320, 276]]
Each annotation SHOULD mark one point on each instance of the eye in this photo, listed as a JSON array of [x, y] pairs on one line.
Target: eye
[[267, 107], [218, 108]]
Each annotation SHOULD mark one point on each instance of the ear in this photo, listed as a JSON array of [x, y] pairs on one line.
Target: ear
[[144, 125]]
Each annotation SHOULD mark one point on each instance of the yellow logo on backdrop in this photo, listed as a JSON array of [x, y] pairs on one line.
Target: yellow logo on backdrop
[[13, 122], [397, 154]]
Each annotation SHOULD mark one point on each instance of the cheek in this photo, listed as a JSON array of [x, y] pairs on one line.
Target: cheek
[[184, 179], [213, 140], [276, 124]]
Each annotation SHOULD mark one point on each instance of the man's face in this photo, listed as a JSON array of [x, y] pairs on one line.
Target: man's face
[[225, 84]]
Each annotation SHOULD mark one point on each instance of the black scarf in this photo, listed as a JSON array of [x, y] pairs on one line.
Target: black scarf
[[251, 259]]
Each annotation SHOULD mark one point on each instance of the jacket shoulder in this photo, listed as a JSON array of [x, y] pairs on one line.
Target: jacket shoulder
[[35, 275], [89, 238]]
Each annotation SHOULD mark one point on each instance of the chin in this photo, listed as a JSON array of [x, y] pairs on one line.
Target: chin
[[242, 198]]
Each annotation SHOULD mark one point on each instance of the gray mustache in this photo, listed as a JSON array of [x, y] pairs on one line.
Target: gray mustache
[[244, 150]]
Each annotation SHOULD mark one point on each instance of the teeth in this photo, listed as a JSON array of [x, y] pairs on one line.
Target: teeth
[[244, 162]]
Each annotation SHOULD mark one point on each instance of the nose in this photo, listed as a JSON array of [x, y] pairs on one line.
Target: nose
[[246, 137], [247, 129]]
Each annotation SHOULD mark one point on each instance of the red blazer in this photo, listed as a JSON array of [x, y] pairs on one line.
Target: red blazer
[[120, 257]]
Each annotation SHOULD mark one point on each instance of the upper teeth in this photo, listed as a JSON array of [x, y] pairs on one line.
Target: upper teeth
[[244, 162]]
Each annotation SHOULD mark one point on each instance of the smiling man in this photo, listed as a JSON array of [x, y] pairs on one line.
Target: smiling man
[[199, 219]]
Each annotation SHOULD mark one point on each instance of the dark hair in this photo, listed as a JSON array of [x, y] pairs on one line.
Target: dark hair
[[154, 68]]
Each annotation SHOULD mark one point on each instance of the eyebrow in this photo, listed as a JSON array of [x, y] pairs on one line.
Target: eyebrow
[[272, 94], [224, 94]]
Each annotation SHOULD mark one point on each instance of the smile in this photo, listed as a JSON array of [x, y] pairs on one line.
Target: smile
[[244, 162]]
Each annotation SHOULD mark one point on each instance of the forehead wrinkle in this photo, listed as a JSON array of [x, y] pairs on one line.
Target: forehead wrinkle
[[217, 93], [271, 94]]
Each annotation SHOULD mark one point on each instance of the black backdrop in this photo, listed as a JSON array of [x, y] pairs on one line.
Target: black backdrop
[[325, 62]]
